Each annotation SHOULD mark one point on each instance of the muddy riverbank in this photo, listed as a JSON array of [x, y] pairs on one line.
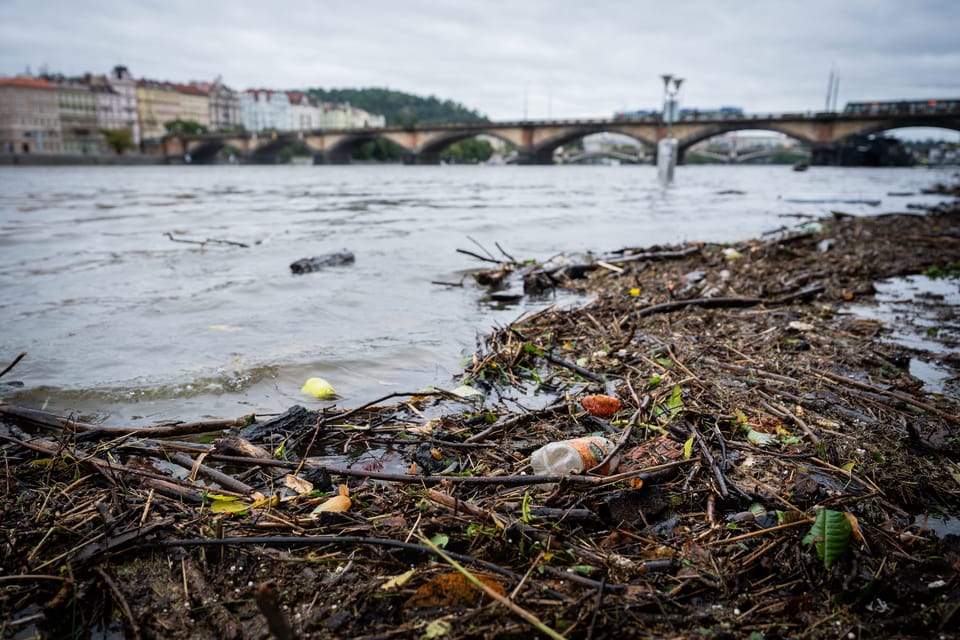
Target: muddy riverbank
[[782, 473]]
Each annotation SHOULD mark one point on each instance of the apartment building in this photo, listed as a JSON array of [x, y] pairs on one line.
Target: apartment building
[[29, 116], [224, 105], [342, 116], [124, 85], [305, 113], [194, 104], [79, 129], [263, 109]]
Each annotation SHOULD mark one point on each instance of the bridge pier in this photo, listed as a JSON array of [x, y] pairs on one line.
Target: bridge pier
[[424, 157], [535, 157], [825, 156]]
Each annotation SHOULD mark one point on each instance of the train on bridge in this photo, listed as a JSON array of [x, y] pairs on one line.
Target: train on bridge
[[902, 107]]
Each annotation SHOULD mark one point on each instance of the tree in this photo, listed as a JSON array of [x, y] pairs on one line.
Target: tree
[[119, 140], [469, 151], [403, 109], [184, 127]]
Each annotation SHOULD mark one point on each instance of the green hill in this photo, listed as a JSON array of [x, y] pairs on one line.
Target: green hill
[[399, 108]]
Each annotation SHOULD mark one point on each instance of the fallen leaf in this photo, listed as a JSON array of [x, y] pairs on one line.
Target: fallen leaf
[[335, 504], [450, 590], [226, 504], [601, 406], [466, 391], [398, 581], [298, 484]]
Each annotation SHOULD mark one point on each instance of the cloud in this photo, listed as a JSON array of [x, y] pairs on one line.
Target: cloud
[[559, 58]]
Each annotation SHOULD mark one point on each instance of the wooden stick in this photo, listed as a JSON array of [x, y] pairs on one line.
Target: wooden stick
[[892, 394], [13, 364]]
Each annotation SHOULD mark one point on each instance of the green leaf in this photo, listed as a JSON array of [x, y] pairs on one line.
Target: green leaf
[[525, 516], [529, 348], [760, 438], [830, 536], [437, 629], [688, 448], [654, 382], [466, 391], [441, 540]]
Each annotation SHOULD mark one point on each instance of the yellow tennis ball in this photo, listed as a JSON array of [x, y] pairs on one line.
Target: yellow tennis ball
[[319, 388]]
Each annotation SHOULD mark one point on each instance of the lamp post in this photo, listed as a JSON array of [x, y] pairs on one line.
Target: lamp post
[[667, 148]]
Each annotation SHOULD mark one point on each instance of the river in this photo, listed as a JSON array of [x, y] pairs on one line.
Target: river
[[124, 321]]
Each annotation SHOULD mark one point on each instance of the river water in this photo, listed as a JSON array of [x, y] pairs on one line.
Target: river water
[[123, 321]]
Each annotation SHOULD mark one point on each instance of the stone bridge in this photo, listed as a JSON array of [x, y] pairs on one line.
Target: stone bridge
[[536, 141]]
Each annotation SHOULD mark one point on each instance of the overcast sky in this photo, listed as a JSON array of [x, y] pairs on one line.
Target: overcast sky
[[511, 58]]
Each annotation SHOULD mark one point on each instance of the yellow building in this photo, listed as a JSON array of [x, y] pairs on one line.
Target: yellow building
[[157, 102], [161, 102]]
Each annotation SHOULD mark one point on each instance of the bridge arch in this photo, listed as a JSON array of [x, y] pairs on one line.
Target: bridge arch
[[543, 152], [429, 151], [705, 133], [903, 123], [341, 150]]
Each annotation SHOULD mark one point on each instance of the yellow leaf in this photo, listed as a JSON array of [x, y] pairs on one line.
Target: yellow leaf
[[854, 526], [398, 581], [226, 504], [295, 483], [319, 388], [337, 503], [263, 501], [635, 292], [333, 505], [849, 466], [688, 449]]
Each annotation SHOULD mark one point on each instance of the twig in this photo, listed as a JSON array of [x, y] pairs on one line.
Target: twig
[[620, 443], [717, 473], [509, 257], [208, 241], [892, 394], [520, 611], [563, 362], [121, 601], [13, 364], [478, 256], [482, 248], [754, 534]]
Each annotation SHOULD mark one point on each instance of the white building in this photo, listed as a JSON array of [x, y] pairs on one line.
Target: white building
[[304, 111], [343, 116], [125, 87], [263, 109]]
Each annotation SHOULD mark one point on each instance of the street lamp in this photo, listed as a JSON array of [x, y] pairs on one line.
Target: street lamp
[[667, 147]]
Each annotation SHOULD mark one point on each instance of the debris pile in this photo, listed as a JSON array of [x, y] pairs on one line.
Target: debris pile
[[780, 474]]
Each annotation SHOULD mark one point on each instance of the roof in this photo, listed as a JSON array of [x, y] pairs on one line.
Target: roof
[[26, 83]]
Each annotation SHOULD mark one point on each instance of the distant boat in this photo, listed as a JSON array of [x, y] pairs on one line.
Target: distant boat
[[801, 166]]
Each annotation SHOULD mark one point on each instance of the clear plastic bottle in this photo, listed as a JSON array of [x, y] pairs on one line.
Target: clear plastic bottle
[[573, 456]]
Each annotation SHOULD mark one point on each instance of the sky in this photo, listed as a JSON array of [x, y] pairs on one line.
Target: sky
[[511, 59]]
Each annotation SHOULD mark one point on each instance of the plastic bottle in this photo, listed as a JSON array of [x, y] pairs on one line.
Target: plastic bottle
[[573, 456]]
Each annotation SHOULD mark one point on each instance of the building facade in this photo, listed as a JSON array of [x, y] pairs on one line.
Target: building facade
[[224, 106], [79, 129], [305, 113], [157, 103], [343, 116], [123, 84], [263, 109], [194, 104], [29, 116]]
